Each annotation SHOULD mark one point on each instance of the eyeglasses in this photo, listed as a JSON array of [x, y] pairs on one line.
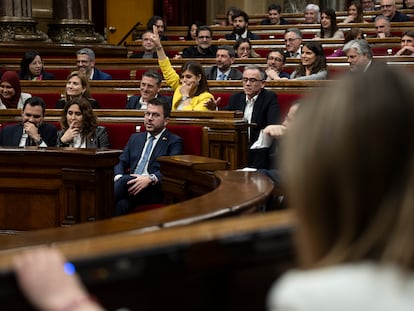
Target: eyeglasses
[[277, 59], [386, 6], [204, 37], [290, 39], [251, 80]]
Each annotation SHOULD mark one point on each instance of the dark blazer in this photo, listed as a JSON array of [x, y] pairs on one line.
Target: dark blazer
[[45, 76], [99, 140], [211, 73], [266, 21], [167, 144], [61, 103], [265, 112], [250, 35], [192, 52], [133, 101], [140, 54], [10, 135], [100, 75]]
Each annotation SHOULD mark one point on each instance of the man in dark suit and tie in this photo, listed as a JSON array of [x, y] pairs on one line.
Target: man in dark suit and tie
[[85, 60], [222, 70], [31, 131], [260, 108], [137, 175]]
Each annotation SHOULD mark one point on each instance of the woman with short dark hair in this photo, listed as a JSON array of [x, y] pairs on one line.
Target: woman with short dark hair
[[32, 67]]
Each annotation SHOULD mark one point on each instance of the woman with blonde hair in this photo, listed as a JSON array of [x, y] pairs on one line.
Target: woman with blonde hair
[[348, 167], [77, 85]]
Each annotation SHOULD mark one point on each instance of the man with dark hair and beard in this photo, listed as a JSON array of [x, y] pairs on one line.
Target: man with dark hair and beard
[[240, 24]]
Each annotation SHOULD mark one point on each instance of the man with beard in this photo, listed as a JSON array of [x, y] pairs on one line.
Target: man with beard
[[85, 60], [222, 70], [359, 55], [240, 23], [138, 177], [204, 49], [31, 131]]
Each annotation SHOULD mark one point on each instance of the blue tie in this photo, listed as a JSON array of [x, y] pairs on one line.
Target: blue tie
[[144, 158], [222, 76]]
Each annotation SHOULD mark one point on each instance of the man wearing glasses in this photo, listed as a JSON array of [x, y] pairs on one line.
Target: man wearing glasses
[[389, 10], [260, 108], [368, 5], [275, 62], [204, 49], [293, 42], [31, 131]]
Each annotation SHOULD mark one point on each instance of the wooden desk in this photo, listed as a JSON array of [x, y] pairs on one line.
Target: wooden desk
[[49, 187]]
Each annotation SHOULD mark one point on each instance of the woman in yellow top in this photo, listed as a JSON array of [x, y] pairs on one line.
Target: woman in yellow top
[[191, 91]]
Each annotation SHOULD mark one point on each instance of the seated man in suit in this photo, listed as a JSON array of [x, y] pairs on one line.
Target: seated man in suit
[[240, 24], [148, 47], [260, 108], [149, 87], [31, 131], [293, 42], [85, 60], [222, 70], [137, 175]]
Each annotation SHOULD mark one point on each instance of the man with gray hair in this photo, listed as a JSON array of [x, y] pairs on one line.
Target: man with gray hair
[[222, 70], [389, 10], [260, 108], [293, 42], [359, 55], [312, 14], [85, 60]]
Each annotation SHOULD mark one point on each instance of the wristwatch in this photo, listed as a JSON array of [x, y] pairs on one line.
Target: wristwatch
[[39, 142], [153, 178], [185, 97]]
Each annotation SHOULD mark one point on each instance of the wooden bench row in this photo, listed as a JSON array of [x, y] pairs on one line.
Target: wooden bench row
[[277, 31], [298, 18], [215, 134], [212, 261], [132, 69]]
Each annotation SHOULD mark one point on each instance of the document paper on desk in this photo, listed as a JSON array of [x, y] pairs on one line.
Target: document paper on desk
[[264, 141]]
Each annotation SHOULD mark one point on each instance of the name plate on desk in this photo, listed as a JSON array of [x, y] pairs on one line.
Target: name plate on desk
[[50, 187]]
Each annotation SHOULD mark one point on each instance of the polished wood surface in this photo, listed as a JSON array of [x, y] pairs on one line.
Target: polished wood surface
[[48, 187], [225, 132], [252, 188], [225, 264]]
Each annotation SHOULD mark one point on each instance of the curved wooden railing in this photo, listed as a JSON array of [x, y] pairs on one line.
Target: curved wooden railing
[[238, 192]]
